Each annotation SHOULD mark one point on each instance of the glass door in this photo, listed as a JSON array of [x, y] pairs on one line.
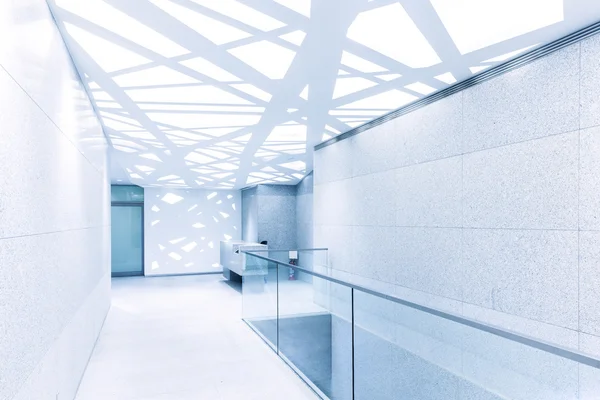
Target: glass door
[[127, 240]]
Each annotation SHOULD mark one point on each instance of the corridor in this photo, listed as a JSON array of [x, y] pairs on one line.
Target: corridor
[[182, 338]]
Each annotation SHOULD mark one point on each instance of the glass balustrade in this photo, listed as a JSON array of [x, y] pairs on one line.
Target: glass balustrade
[[352, 338]]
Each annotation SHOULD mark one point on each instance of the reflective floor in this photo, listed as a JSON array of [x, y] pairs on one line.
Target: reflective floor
[[182, 338]]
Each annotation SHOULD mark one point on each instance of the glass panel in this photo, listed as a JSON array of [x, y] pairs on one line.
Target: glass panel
[[314, 260], [259, 297], [404, 353], [126, 240], [315, 332], [126, 193]]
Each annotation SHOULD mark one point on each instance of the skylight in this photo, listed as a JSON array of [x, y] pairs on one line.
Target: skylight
[[380, 29], [243, 13], [360, 64], [446, 78], [109, 56], [300, 6], [266, 57], [345, 86], [217, 32], [475, 24], [209, 69], [295, 37], [108, 17], [420, 88]]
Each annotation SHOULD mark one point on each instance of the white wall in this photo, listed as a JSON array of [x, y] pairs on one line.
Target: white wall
[[183, 229], [54, 211], [485, 204]]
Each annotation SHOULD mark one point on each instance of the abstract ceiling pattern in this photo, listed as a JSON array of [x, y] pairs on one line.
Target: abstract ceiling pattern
[[227, 94]]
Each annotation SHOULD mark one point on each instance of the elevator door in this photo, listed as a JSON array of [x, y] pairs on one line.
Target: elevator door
[[127, 240]]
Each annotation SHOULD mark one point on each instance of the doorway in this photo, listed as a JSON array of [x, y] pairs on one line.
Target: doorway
[[127, 240]]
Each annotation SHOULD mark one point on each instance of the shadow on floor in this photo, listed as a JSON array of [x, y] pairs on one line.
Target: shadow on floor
[[237, 286]]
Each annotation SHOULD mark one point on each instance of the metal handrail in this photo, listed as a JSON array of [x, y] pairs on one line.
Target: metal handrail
[[573, 355]]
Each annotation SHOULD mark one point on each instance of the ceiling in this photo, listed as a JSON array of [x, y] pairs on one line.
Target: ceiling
[[227, 94]]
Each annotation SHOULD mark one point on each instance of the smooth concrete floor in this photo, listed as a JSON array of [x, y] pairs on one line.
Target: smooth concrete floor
[[182, 338]]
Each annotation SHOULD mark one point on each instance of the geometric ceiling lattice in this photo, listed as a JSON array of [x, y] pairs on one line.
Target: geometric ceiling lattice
[[230, 93]]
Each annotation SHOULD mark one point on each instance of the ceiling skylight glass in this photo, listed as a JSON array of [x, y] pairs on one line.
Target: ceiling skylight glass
[[300, 6], [420, 88], [381, 28], [475, 24], [360, 64], [296, 37], [243, 13], [511, 54], [268, 58], [217, 32], [209, 69], [109, 56], [345, 86], [210, 93], [384, 101], [104, 15], [446, 78]]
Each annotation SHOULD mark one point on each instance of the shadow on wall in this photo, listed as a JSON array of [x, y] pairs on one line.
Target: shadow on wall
[[184, 228]]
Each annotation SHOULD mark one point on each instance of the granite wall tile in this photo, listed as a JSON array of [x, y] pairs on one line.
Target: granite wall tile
[[537, 100], [530, 185]]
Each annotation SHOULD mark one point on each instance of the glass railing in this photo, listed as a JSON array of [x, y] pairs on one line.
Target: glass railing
[[349, 339]]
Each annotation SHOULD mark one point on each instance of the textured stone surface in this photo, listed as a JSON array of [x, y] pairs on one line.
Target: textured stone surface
[[430, 133], [373, 199], [590, 82], [334, 162], [539, 99], [54, 211], [523, 273], [429, 259], [589, 282], [430, 194], [589, 179], [530, 185]]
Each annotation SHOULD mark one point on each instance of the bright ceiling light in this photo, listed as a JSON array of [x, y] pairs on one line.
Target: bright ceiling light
[[217, 32], [209, 69], [420, 88], [288, 133], [204, 121], [381, 30], [243, 13], [446, 78], [475, 24], [389, 77], [151, 156], [300, 6], [304, 93], [109, 56], [160, 75], [346, 86], [102, 14], [171, 198], [198, 158], [479, 68], [189, 247], [295, 37], [360, 64], [389, 100], [295, 165], [511, 54], [206, 94], [268, 58]]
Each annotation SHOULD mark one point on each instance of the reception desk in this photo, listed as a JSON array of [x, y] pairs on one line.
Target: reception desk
[[233, 260]]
